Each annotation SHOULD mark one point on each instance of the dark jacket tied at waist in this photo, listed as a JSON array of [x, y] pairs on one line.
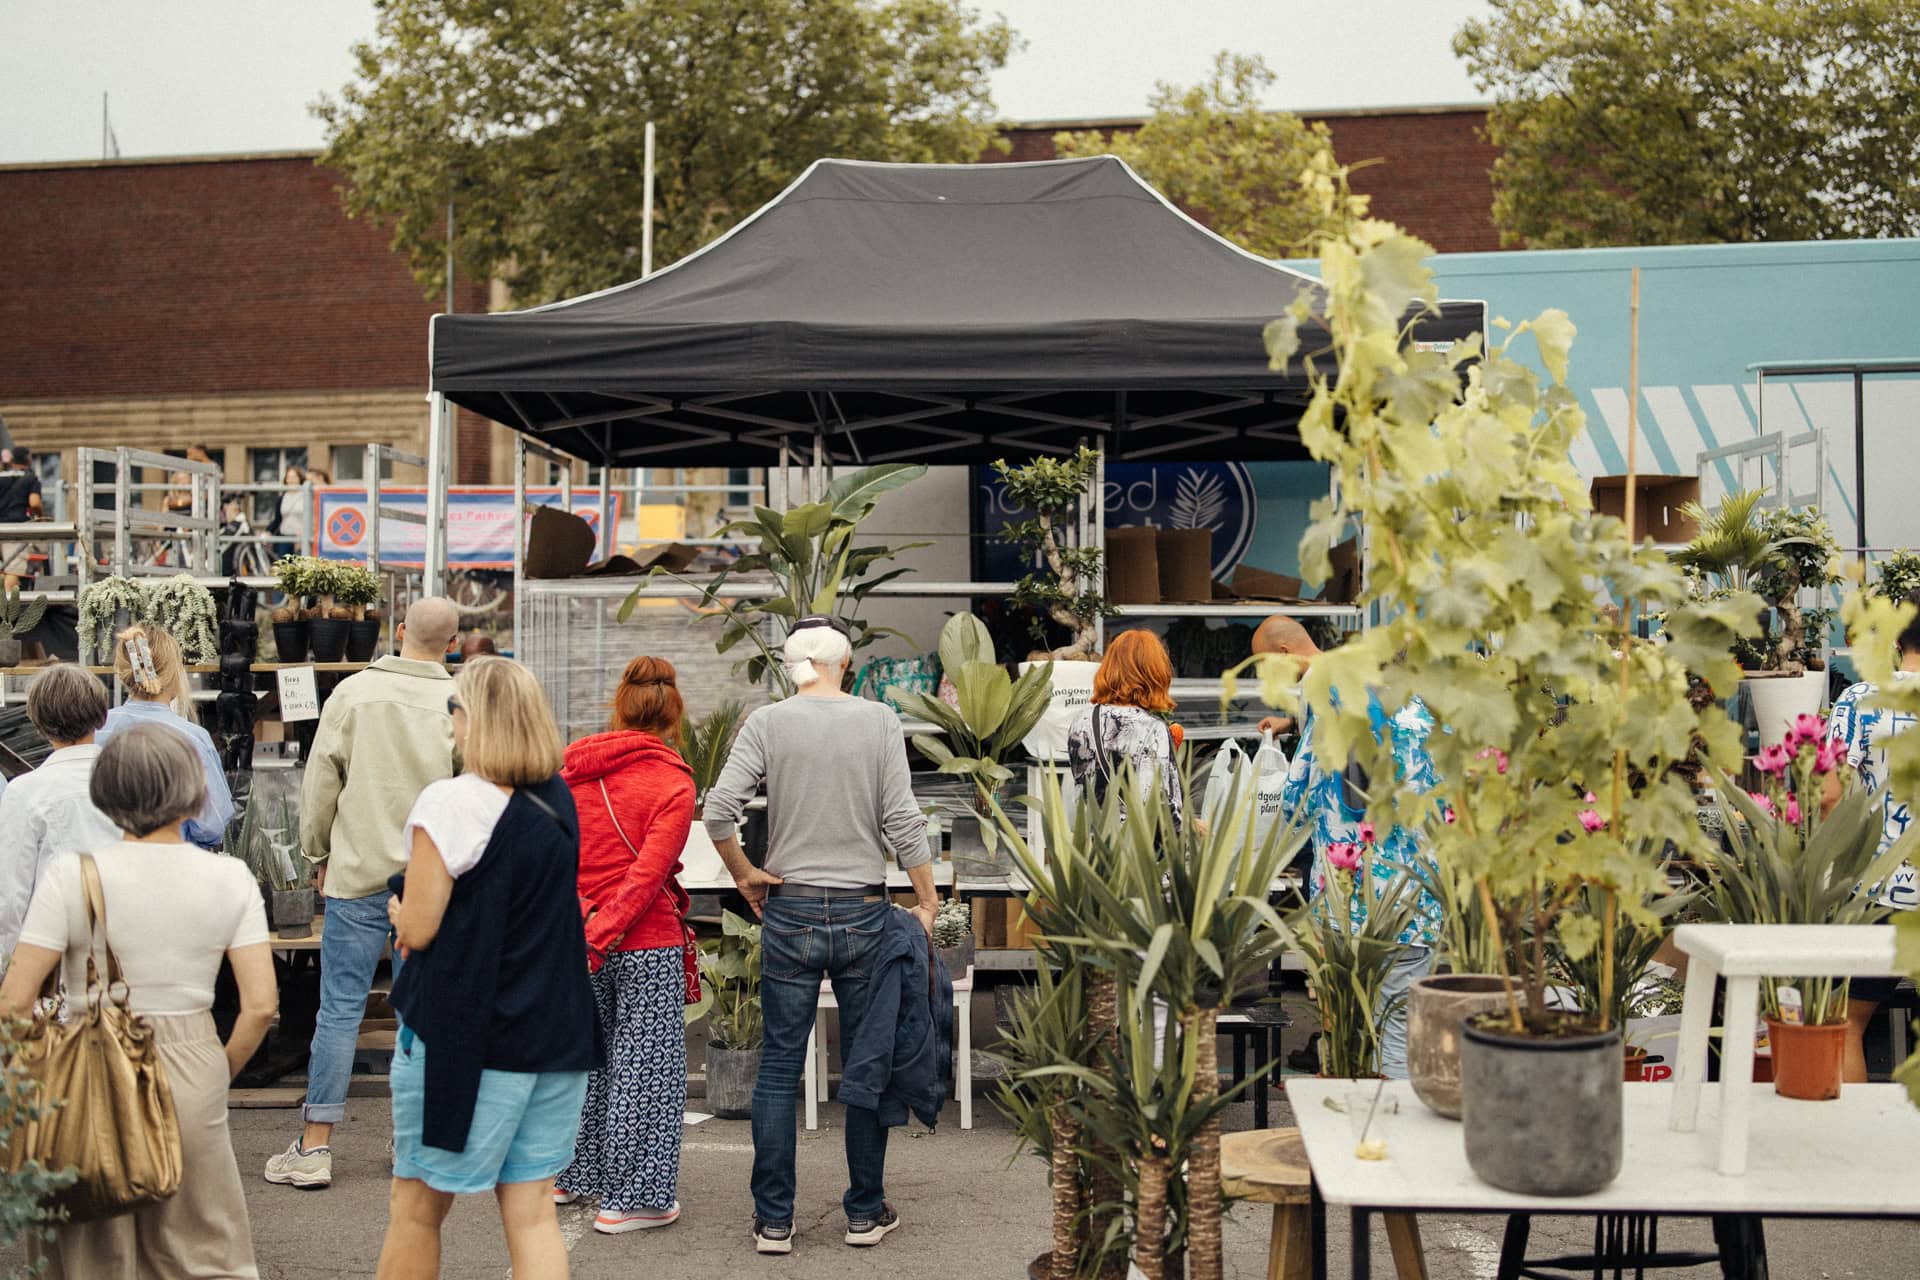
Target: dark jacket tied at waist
[[901, 1059]]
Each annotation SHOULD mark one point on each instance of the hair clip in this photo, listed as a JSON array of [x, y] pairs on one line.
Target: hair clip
[[140, 658]]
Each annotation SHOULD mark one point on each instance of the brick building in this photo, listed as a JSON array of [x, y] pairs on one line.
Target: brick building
[[228, 300]]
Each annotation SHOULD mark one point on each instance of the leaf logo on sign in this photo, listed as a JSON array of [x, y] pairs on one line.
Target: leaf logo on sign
[[1199, 501]]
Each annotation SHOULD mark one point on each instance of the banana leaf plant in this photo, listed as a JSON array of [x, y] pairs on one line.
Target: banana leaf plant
[[995, 714], [814, 566]]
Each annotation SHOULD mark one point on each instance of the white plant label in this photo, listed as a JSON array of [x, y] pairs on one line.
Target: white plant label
[[299, 695]]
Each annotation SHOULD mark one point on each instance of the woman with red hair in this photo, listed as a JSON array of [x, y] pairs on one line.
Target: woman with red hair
[[634, 795], [1126, 721]]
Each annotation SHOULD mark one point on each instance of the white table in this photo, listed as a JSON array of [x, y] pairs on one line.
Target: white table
[[1852, 1157], [1743, 954]]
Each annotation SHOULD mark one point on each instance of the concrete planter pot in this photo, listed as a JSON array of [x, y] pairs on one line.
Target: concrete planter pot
[[971, 858], [293, 913], [1436, 1008], [1780, 700], [730, 1077], [9, 652], [1542, 1115], [957, 958]]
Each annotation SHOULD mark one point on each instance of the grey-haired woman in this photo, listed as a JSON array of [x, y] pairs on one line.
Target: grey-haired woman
[[172, 913]]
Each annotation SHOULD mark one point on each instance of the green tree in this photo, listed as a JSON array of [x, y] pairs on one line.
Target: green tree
[[530, 116], [1217, 153], [1700, 121]]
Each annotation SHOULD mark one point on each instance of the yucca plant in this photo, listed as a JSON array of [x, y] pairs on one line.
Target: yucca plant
[[1348, 956], [706, 743], [1634, 944]]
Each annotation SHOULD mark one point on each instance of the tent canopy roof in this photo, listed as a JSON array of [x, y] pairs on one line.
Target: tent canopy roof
[[942, 313]]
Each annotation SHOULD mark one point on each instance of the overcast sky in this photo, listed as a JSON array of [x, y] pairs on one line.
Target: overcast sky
[[200, 76]]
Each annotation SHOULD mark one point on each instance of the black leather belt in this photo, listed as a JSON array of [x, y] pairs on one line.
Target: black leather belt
[[790, 890]]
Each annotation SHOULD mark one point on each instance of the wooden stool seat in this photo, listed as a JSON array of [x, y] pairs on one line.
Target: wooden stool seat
[[1269, 1166]]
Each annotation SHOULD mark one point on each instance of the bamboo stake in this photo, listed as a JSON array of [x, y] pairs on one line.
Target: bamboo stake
[[1609, 905]]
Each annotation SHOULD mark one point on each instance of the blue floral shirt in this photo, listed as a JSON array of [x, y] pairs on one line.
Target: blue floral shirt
[[1335, 822], [1865, 731]]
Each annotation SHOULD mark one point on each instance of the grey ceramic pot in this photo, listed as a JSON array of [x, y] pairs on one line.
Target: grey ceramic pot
[[1542, 1116], [958, 958], [9, 653], [971, 860], [730, 1077], [1435, 1009], [293, 913]]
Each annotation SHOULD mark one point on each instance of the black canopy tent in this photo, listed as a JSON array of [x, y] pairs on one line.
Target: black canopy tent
[[894, 312]]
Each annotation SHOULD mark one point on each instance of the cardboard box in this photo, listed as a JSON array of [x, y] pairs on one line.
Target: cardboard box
[[1133, 565], [1250, 583], [1343, 584], [1656, 505], [1185, 558]]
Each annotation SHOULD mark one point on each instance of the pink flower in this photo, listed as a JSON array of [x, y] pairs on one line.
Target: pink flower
[[1829, 757], [1366, 833], [1792, 814], [1589, 798], [1498, 757], [1343, 856], [1591, 819], [1448, 815], [1773, 759], [1808, 728], [1761, 801]]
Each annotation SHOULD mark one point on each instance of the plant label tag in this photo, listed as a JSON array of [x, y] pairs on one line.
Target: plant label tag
[[299, 695], [1790, 1004]]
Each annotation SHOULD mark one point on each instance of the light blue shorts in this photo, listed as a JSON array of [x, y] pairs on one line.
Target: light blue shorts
[[524, 1126]]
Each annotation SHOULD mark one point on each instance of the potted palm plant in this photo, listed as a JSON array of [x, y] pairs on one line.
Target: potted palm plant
[[705, 745], [730, 1001], [1486, 565], [994, 712], [1787, 862], [810, 566]]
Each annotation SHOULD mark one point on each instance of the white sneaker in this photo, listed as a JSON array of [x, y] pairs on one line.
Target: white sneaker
[[297, 1167], [564, 1197], [614, 1223]]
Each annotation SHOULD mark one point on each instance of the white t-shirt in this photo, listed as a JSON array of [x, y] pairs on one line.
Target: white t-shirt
[[173, 910], [458, 815]]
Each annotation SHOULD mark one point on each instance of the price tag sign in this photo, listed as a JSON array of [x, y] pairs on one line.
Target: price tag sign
[[299, 695]]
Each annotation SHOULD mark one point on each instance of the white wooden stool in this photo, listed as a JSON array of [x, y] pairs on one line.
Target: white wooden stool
[[815, 1082], [1743, 954]]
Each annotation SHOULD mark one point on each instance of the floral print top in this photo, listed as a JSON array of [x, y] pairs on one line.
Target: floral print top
[[1318, 786], [1103, 737], [1864, 731]]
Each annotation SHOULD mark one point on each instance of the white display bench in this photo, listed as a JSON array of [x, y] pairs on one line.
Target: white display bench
[[1849, 1158], [1743, 954]]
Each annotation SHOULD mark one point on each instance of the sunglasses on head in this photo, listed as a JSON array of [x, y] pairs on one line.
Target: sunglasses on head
[[822, 620]]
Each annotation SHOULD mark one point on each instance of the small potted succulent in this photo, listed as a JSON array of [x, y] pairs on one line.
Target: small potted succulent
[[16, 620], [290, 625], [356, 588], [953, 936], [730, 1000]]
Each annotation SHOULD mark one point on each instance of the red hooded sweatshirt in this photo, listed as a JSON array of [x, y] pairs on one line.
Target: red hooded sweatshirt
[[623, 881]]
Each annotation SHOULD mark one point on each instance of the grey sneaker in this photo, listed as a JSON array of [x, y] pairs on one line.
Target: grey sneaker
[[864, 1233], [768, 1238], [297, 1167]]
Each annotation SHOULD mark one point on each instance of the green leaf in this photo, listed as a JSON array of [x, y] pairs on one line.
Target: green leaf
[[853, 496], [1554, 331], [985, 694]]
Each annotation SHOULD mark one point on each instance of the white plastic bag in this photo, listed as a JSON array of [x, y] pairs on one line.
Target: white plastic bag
[[1265, 771], [1072, 693]]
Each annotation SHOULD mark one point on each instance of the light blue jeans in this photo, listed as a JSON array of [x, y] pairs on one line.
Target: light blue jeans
[[351, 945], [1414, 964]]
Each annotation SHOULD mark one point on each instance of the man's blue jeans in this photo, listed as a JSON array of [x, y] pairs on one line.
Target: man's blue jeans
[[354, 939], [802, 940], [1412, 964]]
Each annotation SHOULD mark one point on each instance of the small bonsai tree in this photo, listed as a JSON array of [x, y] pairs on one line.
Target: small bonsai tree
[[295, 575], [355, 587], [1068, 593], [1776, 553], [1899, 575]]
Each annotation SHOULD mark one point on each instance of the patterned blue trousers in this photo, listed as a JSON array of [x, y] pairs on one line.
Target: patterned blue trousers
[[628, 1154]]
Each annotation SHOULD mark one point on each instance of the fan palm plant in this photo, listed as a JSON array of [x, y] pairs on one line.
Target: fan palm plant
[[706, 743]]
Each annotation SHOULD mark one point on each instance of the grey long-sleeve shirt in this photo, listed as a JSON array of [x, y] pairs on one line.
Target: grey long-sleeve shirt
[[838, 791]]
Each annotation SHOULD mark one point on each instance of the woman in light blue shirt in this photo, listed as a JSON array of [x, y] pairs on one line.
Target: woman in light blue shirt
[[149, 664]]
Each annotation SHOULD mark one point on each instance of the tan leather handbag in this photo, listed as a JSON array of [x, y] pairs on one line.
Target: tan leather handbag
[[110, 1115]]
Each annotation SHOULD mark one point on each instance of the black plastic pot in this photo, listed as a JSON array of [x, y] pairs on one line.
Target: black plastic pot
[[363, 638], [731, 1074], [290, 639], [327, 638], [1542, 1114]]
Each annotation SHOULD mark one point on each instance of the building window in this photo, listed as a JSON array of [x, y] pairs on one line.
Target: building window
[[269, 466], [350, 464]]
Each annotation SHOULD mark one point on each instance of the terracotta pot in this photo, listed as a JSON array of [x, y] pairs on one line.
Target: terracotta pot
[[1435, 1009], [1636, 1065], [1807, 1060]]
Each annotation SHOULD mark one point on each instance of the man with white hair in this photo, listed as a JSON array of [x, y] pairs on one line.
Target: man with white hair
[[839, 799], [385, 734]]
